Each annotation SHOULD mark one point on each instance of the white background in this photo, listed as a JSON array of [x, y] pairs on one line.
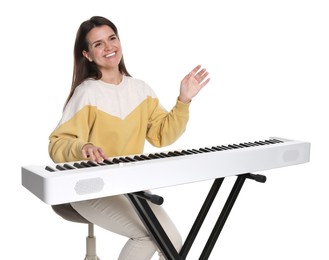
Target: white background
[[268, 62]]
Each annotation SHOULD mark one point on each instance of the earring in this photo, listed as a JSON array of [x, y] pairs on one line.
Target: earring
[[90, 60]]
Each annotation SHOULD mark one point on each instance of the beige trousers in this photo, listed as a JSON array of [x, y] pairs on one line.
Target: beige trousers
[[117, 215]]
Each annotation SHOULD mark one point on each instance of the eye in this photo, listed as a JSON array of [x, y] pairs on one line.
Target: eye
[[113, 37], [98, 45]]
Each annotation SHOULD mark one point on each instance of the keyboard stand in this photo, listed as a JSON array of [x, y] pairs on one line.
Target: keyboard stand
[[139, 201]]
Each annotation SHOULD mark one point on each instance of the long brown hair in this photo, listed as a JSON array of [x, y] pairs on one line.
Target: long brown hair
[[84, 69]]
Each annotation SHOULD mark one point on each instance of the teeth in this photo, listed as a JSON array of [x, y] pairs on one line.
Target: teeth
[[110, 55]]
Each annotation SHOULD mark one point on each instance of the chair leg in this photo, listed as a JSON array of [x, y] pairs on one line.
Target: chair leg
[[91, 244]]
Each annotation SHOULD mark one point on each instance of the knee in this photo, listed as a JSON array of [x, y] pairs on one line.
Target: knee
[[176, 240], [178, 243]]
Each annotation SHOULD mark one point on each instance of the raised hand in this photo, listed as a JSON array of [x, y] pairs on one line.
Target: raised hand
[[192, 83]]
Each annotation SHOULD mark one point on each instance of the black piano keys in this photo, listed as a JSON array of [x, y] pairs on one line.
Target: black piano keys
[[161, 155]]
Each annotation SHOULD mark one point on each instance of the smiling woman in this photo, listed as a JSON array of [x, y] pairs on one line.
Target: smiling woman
[[96, 39], [109, 113], [105, 50]]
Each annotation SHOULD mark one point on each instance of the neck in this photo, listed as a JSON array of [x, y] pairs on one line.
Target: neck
[[112, 77]]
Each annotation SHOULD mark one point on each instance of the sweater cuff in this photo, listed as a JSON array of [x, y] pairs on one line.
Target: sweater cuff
[[79, 149], [182, 108], [180, 103]]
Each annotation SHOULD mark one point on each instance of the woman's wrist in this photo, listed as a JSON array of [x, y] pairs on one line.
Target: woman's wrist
[[184, 99]]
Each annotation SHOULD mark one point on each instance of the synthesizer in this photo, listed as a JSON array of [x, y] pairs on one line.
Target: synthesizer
[[81, 180]]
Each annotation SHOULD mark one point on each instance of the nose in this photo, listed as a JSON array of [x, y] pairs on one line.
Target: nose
[[108, 45]]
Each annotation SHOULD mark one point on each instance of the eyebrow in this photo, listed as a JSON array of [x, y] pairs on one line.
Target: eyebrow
[[101, 40]]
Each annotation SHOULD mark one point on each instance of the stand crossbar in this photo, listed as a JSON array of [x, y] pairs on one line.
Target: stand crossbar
[[200, 218], [139, 201]]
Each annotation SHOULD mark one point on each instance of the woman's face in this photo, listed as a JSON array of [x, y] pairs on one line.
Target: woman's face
[[104, 47]]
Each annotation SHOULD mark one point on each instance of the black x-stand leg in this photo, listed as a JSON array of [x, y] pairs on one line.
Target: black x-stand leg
[[139, 201]]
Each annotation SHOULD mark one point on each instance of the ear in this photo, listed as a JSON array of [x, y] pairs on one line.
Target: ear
[[85, 53]]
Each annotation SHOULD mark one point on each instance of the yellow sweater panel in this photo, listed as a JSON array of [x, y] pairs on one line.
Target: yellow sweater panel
[[116, 136]]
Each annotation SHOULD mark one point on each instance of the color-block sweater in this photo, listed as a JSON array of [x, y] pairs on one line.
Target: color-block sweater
[[117, 118]]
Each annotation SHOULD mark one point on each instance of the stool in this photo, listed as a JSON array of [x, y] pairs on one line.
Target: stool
[[67, 212]]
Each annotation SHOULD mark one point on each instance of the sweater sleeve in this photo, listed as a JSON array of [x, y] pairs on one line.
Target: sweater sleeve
[[72, 132], [67, 140], [164, 127]]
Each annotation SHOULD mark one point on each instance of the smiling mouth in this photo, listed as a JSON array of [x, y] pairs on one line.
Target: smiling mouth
[[110, 55]]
